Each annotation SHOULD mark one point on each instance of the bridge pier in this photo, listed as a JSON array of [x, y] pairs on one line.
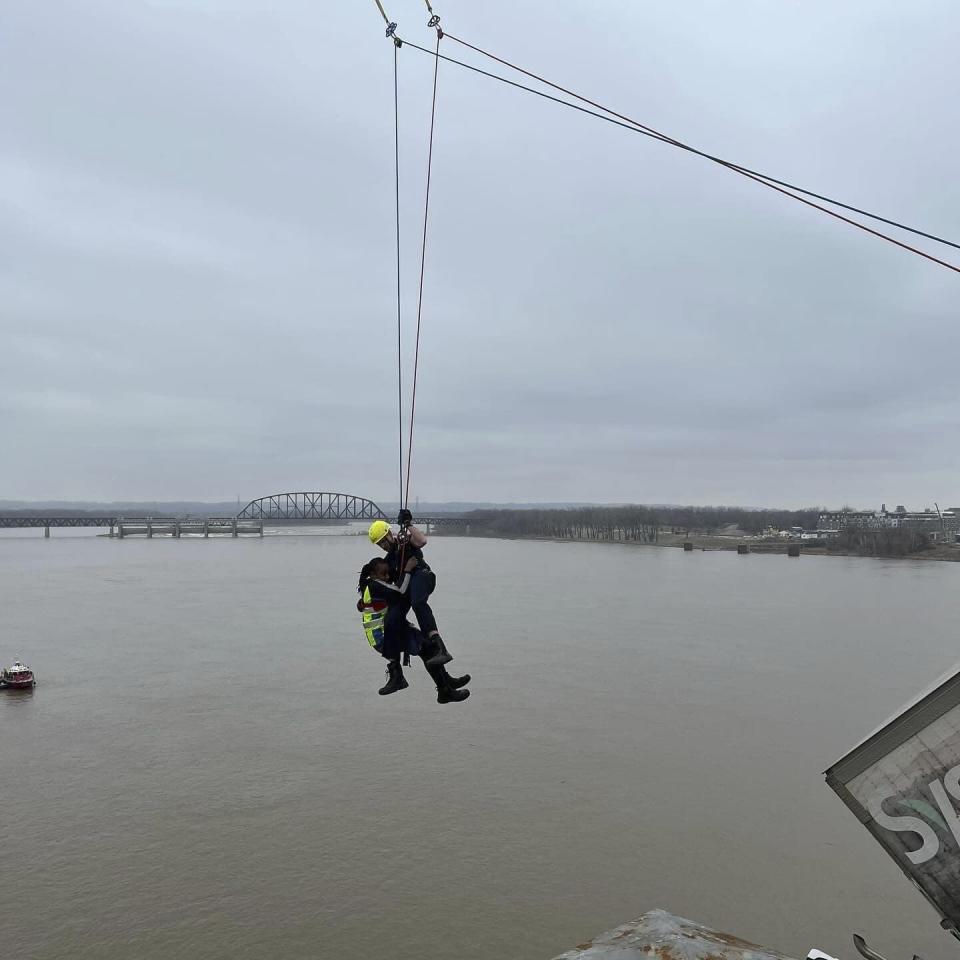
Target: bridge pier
[[46, 532], [175, 528]]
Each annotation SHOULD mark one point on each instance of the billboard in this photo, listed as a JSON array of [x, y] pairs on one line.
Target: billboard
[[903, 784]]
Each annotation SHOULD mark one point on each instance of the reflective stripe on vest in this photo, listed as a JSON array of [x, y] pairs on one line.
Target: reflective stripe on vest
[[373, 620]]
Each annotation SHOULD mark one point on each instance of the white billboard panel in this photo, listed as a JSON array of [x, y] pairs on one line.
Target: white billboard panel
[[903, 783]]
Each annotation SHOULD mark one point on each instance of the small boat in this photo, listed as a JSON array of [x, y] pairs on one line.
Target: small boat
[[17, 677]]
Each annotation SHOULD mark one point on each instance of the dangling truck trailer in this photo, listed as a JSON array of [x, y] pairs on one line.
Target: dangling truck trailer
[[903, 784]]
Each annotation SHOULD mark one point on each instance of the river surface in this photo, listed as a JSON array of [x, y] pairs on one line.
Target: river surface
[[205, 769]]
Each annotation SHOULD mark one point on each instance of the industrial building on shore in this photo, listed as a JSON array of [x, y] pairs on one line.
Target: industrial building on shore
[[939, 525]]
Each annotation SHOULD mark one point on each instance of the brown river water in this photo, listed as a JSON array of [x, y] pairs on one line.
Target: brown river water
[[205, 769]]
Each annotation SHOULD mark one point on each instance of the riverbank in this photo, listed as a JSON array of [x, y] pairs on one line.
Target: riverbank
[[947, 551]]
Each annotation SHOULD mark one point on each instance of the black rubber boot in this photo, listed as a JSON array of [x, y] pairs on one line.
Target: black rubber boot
[[446, 693], [395, 679], [449, 695], [457, 682], [437, 655]]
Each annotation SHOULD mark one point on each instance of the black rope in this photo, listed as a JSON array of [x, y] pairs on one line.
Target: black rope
[[396, 168], [744, 171], [685, 146]]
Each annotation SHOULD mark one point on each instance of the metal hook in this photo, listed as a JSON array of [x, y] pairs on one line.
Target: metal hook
[[865, 951]]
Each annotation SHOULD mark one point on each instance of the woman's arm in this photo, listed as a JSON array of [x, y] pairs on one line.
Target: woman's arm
[[381, 590]]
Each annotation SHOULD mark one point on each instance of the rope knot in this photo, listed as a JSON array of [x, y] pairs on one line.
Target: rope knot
[[434, 22], [391, 29]]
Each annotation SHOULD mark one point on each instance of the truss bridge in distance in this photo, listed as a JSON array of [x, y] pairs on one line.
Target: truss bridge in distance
[[301, 507], [322, 507]]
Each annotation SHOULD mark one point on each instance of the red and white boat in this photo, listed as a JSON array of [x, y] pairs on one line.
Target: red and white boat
[[17, 677]]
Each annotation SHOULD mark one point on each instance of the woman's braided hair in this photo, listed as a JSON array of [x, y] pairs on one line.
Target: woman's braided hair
[[366, 572]]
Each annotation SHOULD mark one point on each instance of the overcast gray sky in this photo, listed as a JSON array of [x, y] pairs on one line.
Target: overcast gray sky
[[196, 253]]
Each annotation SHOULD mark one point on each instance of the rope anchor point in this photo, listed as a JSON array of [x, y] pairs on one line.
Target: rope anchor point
[[434, 22]]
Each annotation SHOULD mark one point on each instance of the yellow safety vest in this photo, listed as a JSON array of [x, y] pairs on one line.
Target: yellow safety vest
[[373, 620]]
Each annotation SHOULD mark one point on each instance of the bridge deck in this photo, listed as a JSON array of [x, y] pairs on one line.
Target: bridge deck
[[294, 507], [13, 522], [10, 522]]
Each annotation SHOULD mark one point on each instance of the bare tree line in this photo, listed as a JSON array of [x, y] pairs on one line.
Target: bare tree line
[[638, 524], [895, 542]]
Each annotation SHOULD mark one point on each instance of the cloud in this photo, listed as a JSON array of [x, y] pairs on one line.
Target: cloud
[[197, 255]]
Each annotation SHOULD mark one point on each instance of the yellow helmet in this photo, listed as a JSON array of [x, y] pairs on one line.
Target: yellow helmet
[[378, 530]]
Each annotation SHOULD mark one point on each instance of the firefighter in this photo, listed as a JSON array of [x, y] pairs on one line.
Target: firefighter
[[384, 605]]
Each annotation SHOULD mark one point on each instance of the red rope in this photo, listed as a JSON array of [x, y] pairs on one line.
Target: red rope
[[423, 261]]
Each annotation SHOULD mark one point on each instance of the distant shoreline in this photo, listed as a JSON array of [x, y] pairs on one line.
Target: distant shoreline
[[948, 553]]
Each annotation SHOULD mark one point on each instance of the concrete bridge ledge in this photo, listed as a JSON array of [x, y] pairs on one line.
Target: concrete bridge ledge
[[659, 935]]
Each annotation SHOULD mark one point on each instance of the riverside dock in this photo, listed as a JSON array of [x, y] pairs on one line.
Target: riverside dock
[[171, 527], [122, 527]]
